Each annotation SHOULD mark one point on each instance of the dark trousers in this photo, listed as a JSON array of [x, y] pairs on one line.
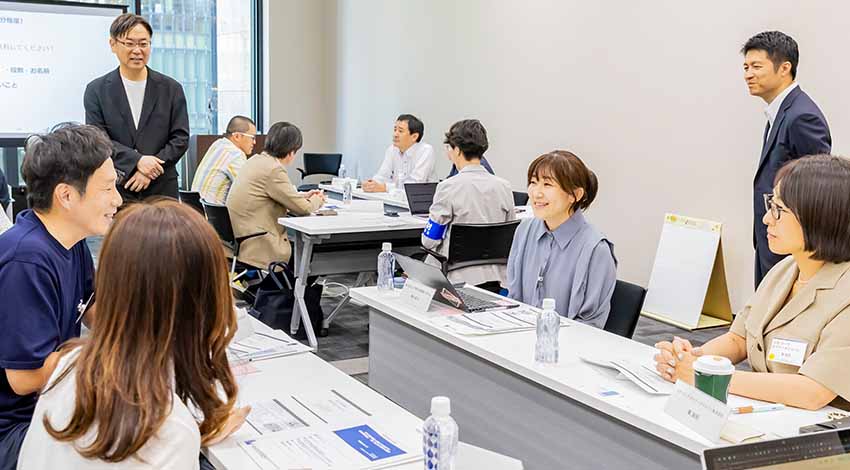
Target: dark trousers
[[10, 446], [765, 260]]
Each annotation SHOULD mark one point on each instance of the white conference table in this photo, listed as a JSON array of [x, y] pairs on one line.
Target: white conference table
[[307, 374], [345, 243], [546, 416], [396, 199]]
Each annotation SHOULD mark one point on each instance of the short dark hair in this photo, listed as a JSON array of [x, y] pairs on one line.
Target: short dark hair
[[124, 23], [816, 189], [779, 47], [283, 138], [569, 172], [238, 124], [414, 125], [69, 154], [469, 136]]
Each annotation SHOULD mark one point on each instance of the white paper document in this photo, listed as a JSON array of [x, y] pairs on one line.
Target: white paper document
[[331, 407], [273, 416], [265, 345], [491, 322], [363, 446], [640, 374]]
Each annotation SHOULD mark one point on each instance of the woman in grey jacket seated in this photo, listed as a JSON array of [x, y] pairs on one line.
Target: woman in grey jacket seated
[[473, 196], [558, 254]]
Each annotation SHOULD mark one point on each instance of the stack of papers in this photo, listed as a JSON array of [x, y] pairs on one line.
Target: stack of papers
[[641, 375], [259, 346], [491, 322], [325, 430]]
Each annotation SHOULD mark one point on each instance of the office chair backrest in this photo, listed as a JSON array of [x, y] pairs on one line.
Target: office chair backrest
[[322, 163], [480, 244], [520, 198], [219, 218], [192, 198], [626, 304]]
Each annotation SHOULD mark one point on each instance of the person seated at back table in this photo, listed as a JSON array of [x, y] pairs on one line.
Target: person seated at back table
[[407, 160], [802, 306], [151, 383], [263, 193], [223, 160], [474, 196], [558, 254], [46, 269]]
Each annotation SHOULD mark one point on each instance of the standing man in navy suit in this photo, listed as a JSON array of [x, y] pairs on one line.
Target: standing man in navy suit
[[143, 112], [795, 125]]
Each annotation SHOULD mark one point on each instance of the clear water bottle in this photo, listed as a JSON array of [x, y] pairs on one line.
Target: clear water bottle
[[439, 436], [548, 328], [386, 268], [346, 192], [341, 173]]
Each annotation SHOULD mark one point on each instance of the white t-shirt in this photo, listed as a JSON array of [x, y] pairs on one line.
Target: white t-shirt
[[176, 445], [136, 96]]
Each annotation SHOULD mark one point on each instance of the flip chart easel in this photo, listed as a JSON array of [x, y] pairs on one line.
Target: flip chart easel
[[687, 287]]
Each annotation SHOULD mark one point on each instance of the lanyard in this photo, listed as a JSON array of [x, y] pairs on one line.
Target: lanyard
[[541, 275]]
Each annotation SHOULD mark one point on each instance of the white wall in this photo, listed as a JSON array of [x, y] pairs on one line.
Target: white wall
[[649, 94], [300, 70]]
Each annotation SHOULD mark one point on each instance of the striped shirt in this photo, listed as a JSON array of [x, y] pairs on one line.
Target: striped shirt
[[217, 171]]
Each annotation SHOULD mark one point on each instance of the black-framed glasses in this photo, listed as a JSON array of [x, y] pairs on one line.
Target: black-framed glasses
[[133, 44], [770, 206]]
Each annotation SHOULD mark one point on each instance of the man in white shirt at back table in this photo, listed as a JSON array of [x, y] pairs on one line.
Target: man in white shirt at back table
[[407, 160]]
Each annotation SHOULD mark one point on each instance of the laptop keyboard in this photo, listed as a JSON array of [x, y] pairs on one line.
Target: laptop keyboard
[[476, 301]]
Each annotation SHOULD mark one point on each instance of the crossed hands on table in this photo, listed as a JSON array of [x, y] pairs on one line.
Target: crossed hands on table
[[675, 360]]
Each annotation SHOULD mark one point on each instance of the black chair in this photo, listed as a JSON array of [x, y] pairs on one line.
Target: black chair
[[219, 218], [477, 245], [626, 304], [319, 164], [520, 198], [192, 198]]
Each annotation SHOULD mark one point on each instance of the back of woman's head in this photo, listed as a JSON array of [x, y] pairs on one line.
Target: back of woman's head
[[164, 317], [817, 191], [569, 172], [282, 139]]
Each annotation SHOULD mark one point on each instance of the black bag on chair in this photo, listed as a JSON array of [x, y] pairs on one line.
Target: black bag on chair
[[275, 300]]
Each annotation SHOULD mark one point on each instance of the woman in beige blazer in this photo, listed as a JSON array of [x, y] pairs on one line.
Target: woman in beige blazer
[[795, 330], [262, 193]]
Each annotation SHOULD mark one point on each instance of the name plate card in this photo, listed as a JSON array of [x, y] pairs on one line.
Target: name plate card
[[417, 295], [697, 410]]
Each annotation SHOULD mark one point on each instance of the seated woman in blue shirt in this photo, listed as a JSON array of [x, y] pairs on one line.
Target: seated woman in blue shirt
[[558, 254]]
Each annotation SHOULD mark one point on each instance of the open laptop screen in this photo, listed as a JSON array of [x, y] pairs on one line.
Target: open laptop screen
[[420, 196], [818, 451]]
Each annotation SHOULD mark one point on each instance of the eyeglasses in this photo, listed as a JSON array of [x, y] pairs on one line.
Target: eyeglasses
[[775, 209], [252, 137], [133, 44]]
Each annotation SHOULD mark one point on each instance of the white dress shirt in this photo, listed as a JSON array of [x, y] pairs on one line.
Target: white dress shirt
[[415, 165], [772, 109]]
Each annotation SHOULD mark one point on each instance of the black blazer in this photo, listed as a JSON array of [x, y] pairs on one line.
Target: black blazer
[[163, 127], [799, 129]]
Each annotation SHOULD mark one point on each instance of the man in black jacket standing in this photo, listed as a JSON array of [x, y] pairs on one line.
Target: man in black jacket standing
[[795, 125], [142, 111]]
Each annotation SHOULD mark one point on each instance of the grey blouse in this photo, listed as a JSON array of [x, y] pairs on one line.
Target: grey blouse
[[575, 265]]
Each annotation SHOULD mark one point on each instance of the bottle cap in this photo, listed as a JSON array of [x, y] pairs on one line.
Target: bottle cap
[[548, 304], [441, 406], [387, 246]]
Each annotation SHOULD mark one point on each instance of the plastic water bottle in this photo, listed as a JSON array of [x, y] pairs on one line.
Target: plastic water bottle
[[341, 173], [346, 192], [386, 268], [548, 328], [439, 436]]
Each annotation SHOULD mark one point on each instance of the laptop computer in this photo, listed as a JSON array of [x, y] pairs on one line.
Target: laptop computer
[[461, 298], [420, 196], [822, 451]]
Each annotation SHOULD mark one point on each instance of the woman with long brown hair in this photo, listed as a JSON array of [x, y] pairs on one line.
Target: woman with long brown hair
[[122, 397]]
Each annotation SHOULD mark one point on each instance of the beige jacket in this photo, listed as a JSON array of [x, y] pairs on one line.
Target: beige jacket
[[819, 315], [261, 194]]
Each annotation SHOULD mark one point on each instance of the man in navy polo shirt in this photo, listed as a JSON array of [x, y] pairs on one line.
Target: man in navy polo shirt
[[46, 269]]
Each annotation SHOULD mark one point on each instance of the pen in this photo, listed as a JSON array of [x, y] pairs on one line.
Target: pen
[[758, 408]]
